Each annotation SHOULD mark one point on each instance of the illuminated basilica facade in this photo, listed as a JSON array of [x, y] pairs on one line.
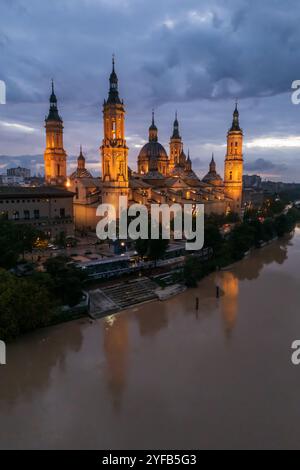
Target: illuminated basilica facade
[[161, 176]]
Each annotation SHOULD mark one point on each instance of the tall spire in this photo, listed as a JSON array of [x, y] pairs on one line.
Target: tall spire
[[113, 95], [81, 159], [53, 111], [212, 165], [235, 122], [153, 123], [176, 134], [153, 130]]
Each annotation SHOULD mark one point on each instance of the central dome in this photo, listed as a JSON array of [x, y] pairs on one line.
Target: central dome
[[152, 156], [153, 150]]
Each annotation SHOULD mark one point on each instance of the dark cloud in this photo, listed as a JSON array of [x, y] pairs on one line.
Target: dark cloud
[[262, 165], [192, 55]]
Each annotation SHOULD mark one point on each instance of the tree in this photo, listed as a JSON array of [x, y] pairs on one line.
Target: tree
[[67, 280], [15, 240], [272, 206], [258, 231], [10, 248], [25, 304], [157, 249], [27, 237], [212, 238], [242, 238], [268, 229], [153, 248], [141, 247], [192, 271]]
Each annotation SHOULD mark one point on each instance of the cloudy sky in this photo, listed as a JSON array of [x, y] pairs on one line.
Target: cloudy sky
[[193, 56]]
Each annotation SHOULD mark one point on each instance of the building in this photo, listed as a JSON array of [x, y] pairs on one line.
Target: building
[[55, 157], [88, 193], [252, 181], [48, 209], [162, 176], [233, 174], [19, 172], [114, 151], [10, 180]]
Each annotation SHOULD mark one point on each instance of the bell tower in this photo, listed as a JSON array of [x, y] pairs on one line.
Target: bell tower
[[114, 150], [176, 146], [55, 157], [233, 174]]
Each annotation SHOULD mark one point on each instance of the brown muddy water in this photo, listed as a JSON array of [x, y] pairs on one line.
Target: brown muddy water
[[163, 375]]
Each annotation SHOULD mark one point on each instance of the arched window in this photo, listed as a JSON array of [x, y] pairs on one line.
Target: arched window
[[114, 129]]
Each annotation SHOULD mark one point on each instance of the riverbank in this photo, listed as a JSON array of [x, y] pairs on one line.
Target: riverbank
[[62, 283], [117, 296]]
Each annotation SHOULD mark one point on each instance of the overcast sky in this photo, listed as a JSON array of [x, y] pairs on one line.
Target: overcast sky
[[193, 56]]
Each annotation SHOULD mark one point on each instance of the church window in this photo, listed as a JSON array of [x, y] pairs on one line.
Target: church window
[[114, 129], [230, 175]]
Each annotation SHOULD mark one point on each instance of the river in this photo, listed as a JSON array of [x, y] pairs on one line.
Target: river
[[163, 375]]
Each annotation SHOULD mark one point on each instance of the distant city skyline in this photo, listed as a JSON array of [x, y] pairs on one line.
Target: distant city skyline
[[195, 58]]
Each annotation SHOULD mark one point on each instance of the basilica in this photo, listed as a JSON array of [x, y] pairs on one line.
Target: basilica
[[161, 176]]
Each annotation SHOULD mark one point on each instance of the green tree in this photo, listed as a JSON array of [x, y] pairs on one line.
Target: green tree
[[141, 247], [258, 231], [67, 280], [192, 271], [242, 238], [25, 304], [157, 249], [212, 238], [154, 249], [15, 240], [10, 247], [268, 229]]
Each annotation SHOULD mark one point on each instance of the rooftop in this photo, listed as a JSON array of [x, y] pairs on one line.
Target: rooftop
[[39, 191]]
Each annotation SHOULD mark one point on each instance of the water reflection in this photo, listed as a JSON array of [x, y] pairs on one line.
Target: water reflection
[[274, 253], [248, 269], [116, 348], [31, 361], [229, 285], [152, 320]]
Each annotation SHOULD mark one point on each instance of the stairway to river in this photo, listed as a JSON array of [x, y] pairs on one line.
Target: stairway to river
[[122, 295]]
